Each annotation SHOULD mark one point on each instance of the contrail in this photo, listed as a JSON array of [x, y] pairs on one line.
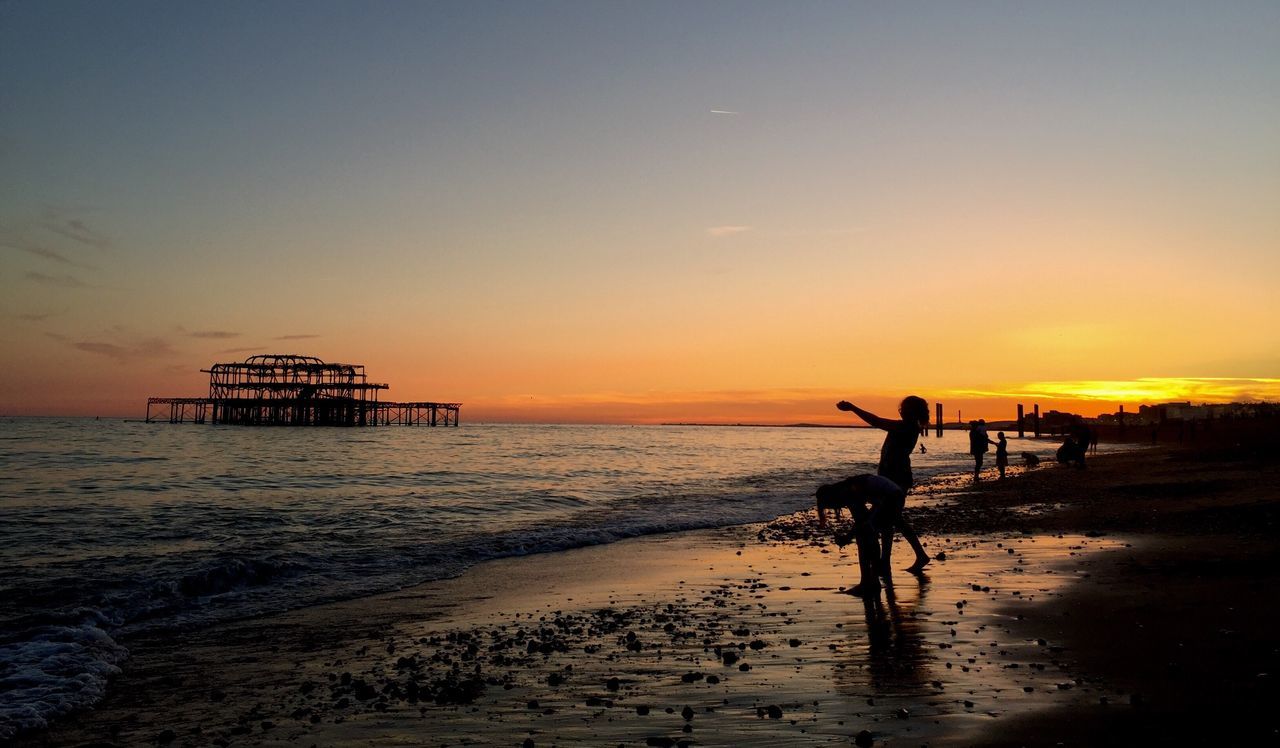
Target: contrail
[[723, 111]]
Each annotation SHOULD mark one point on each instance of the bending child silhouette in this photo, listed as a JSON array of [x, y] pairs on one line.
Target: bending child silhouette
[[895, 464], [876, 505]]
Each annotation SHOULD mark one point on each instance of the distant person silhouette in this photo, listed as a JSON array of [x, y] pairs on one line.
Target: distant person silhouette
[[1082, 436], [978, 441], [1002, 453], [895, 464], [1071, 453]]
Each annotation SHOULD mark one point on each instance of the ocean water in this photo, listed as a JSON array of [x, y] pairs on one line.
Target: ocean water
[[109, 527]]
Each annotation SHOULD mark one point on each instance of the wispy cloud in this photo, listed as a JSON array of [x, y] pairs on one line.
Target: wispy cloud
[[299, 336], [214, 334], [74, 229], [243, 349], [722, 231], [44, 252], [64, 280], [1141, 390], [38, 316], [145, 348]]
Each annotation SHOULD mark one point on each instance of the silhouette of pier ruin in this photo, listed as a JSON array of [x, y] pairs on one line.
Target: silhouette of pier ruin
[[289, 390]]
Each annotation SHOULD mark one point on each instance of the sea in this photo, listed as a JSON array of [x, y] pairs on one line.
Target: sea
[[110, 528]]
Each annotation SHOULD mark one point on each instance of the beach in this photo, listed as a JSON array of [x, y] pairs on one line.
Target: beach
[[1123, 603]]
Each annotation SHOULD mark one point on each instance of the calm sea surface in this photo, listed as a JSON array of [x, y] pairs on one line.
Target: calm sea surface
[[108, 528]]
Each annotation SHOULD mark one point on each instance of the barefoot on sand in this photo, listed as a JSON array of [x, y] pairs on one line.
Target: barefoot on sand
[[919, 565]]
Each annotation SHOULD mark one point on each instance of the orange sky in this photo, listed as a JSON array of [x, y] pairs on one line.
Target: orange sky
[[572, 213]]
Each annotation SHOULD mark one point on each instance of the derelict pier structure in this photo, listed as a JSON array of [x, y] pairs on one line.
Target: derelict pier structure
[[288, 390]]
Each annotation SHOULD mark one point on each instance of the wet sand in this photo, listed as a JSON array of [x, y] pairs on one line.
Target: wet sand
[[1130, 602]]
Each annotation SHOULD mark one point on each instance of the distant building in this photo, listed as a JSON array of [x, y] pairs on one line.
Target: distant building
[[1185, 411], [1056, 420]]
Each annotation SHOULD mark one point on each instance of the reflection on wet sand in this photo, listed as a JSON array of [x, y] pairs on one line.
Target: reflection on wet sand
[[713, 638], [896, 656]]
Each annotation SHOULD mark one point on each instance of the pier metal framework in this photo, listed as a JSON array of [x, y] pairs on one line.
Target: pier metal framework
[[289, 390]]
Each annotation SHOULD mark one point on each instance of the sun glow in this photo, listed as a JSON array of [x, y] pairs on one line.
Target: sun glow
[[1145, 390]]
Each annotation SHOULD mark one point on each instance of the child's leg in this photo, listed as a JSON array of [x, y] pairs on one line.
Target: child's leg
[[886, 550], [913, 540], [868, 552]]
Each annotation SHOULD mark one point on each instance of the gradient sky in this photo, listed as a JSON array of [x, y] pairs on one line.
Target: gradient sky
[[645, 211]]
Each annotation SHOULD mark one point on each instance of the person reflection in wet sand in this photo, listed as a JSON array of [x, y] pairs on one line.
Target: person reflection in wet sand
[[895, 462], [897, 655]]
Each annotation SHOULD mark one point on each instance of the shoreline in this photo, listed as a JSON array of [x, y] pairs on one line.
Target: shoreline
[[691, 597]]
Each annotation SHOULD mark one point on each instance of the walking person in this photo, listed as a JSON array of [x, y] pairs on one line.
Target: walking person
[[895, 464]]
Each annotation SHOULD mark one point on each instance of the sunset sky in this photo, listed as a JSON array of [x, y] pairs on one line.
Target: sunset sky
[[644, 211]]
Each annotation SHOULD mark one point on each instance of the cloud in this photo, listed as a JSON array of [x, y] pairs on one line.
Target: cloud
[[300, 336], [63, 281], [721, 231], [74, 229], [145, 348], [1141, 390], [214, 334], [244, 349], [38, 316], [44, 252]]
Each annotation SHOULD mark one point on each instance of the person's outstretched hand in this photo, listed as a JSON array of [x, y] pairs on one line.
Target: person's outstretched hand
[[844, 405]]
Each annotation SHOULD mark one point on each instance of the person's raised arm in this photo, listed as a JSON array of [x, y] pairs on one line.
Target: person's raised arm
[[871, 418]]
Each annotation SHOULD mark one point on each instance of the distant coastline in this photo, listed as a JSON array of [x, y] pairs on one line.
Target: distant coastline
[[946, 427]]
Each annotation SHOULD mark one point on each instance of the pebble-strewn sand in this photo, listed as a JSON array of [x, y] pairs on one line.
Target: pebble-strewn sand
[[1026, 631]]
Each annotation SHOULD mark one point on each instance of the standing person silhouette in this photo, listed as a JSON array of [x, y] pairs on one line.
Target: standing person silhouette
[[1002, 453], [895, 464], [978, 441]]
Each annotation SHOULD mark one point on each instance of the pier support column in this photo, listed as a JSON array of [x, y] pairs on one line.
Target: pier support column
[[1035, 419], [937, 420], [1021, 422]]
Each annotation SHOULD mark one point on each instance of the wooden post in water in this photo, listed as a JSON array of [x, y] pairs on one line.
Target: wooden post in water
[[1021, 422], [1120, 421], [937, 409], [1035, 419]]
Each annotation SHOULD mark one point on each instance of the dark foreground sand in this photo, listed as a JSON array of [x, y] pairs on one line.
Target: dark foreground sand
[[1130, 603]]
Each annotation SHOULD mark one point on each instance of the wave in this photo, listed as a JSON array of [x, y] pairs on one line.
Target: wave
[[51, 670]]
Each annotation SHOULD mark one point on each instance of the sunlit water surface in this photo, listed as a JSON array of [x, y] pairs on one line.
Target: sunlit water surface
[[115, 527]]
